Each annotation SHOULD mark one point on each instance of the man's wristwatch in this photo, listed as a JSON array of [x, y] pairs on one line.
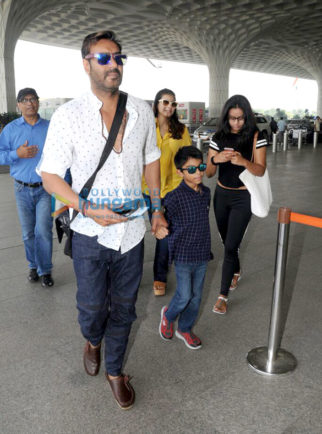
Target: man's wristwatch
[[213, 161], [161, 210]]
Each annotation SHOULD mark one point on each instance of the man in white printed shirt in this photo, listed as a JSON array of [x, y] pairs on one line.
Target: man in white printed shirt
[[107, 248]]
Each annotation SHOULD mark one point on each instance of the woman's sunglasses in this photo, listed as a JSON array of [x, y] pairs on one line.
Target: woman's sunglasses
[[193, 169], [105, 58], [166, 102]]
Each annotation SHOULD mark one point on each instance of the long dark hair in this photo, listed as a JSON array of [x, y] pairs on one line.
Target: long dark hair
[[249, 128], [176, 128]]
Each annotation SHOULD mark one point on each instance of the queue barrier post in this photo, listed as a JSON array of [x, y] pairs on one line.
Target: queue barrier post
[[315, 139], [274, 145], [299, 140], [273, 360], [285, 141], [199, 143]]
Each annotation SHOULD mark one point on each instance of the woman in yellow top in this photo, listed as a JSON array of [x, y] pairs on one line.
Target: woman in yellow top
[[171, 135]]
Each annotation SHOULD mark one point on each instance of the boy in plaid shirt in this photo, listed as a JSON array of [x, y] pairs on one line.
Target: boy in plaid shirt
[[187, 211]]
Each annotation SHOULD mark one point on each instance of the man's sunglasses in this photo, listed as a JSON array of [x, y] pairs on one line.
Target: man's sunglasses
[[105, 58], [166, 102], [193, 169]]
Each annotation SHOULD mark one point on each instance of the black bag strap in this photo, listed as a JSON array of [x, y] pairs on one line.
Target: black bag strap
[[120, 109]]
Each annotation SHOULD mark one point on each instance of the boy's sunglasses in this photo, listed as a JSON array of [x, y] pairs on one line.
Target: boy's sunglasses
[[166, 102], [105, 58], [193, 169]]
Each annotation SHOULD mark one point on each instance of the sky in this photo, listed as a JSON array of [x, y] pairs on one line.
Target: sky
[[58, 72]]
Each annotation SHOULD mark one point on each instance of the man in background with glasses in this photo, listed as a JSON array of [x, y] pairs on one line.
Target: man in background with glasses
[[107, 248], [21, 146]]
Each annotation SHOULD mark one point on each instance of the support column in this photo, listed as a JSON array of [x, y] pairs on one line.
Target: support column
[[218, 84], [319, 104], [7, 89], [7, 75]]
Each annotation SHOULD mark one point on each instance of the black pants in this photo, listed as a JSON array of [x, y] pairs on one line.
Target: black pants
[[233, 213], [161, 255]]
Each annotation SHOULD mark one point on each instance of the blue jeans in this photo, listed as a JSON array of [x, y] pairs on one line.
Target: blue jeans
[[107, 287], [161, 254], [34, 210], [187, 298]]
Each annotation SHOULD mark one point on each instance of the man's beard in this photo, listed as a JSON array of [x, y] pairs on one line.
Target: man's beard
[[100, 84]]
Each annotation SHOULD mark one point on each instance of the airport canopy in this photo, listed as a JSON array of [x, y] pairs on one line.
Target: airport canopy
[[275, 36]]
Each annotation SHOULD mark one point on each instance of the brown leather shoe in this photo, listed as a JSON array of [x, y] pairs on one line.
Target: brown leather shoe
[[92, 359], [159, 288], [122, 390]]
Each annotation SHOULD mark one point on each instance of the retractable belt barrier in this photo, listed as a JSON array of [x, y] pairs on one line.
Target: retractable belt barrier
[[273, 360], [306, 220]]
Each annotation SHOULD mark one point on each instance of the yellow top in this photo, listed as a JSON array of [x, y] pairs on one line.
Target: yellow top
[[168, 147]]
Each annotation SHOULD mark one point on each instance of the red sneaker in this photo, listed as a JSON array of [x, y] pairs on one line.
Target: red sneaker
[[190, 339], [166, 327]]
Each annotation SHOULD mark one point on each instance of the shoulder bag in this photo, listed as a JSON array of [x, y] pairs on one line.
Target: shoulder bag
[[259, 188], [63, 221]]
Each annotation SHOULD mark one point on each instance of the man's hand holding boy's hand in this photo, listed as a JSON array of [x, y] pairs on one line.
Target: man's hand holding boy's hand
[[161, 232], [159, 225]]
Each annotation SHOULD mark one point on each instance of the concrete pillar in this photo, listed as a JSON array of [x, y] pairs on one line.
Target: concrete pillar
[[218, 84], [7, 89], [7, 75], [319, 104]]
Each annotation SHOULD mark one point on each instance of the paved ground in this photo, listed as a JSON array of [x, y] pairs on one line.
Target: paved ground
[[4, 169], [43, 385]]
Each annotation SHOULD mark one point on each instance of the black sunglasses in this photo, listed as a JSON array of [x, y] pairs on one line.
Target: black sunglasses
[[193, 169]]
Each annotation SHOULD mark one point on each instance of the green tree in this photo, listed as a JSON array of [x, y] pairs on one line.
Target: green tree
[[280, 113]]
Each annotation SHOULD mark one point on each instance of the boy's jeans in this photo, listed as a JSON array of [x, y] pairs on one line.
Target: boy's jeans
[[187, 298], [34, 210]]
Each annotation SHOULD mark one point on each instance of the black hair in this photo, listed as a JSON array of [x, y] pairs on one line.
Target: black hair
[[92, 38], [176, 128], [249, 128], [26, 91], [186, 152]]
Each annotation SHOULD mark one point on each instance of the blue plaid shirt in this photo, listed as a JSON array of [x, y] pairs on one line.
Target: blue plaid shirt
[[187, 212]]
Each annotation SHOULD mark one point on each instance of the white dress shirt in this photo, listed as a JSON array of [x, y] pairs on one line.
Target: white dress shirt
[[76, 140]]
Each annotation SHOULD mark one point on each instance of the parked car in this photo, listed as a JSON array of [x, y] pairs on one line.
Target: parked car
[[295, 125], [263, 125], [208, 129], [205, 131]]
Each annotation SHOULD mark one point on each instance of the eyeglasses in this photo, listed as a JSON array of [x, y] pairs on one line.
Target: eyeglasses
[[239, 119], [105, 58], [31, 100], [166, 102], [193, 169]]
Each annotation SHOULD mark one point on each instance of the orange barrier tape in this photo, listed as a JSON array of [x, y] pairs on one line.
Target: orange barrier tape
[[306, 220]]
